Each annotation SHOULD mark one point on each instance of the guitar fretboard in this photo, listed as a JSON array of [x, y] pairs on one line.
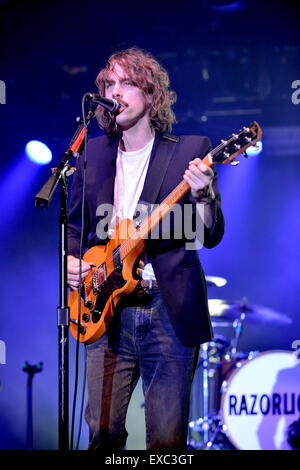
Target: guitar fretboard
[[146, 227]]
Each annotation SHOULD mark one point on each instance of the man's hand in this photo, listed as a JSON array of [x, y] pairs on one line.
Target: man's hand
[[199, 176], [73, 271]]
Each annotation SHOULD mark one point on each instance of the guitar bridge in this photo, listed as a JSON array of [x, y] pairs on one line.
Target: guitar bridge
[[99, 277]]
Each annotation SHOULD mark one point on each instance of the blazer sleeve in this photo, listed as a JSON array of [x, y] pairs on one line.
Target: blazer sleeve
[[214, 234]]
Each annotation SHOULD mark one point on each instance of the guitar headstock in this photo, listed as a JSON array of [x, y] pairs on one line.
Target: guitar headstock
[[228, 149]]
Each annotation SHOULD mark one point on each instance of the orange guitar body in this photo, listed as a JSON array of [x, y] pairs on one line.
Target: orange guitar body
[[98, 307]]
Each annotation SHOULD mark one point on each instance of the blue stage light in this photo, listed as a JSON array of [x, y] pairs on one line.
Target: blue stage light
[[38, 152], [255, 150], [225, 6]]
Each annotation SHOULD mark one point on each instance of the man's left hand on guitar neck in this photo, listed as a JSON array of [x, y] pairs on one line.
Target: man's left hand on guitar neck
[[200, 177]]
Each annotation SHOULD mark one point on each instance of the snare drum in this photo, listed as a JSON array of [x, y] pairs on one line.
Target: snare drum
[[260, 400]]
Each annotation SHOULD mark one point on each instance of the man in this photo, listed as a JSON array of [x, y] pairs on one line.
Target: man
[[158, 332]]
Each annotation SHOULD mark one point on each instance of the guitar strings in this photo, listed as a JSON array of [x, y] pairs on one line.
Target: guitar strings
[[129, 240]]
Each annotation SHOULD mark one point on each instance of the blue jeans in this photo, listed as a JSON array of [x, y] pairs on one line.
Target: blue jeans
[[140, 342]]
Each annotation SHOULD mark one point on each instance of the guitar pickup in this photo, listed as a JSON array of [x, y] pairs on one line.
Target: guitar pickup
[[84, 292], [117, 258]]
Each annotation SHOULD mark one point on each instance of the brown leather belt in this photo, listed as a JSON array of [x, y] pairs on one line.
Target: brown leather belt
[[149, 284]]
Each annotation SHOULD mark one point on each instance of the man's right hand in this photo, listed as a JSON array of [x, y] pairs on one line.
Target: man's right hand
[[73, 271]]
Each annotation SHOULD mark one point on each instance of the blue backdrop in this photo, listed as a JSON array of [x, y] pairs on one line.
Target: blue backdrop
[[230, 63]]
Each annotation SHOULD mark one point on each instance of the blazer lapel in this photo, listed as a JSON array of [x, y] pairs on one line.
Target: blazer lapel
[[160, 158]]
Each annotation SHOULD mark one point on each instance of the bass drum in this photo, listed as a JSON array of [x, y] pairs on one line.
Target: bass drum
[[261, 400]]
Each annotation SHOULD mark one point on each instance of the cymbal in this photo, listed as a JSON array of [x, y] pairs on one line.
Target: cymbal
[[215, 281], [224, 310]]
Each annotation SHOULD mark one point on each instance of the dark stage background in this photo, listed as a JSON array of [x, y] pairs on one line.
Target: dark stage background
[[230, 65]]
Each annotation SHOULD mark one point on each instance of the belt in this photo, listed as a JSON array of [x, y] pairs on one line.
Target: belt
[[149, 284]]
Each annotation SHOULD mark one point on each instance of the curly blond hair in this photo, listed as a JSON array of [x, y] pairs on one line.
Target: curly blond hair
[[147, 74]]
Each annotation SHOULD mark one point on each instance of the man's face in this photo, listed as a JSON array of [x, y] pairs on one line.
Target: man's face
[[134, 108]]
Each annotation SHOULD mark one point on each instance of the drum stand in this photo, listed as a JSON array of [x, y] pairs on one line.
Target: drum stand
[[211, 424], [237, 328]]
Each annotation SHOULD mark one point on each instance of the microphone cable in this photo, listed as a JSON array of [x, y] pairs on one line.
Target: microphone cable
[[79, 291]]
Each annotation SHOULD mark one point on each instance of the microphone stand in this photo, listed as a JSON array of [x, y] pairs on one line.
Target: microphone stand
[[31, 370], [43, 199]]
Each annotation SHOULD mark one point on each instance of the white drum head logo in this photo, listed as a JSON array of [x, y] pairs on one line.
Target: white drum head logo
[[260, 401]]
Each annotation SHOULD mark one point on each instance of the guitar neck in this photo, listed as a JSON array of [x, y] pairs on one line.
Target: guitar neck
[[154, 219], [225, 152]]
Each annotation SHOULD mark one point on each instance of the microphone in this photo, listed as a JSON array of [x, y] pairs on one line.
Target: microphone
[[110, 105]]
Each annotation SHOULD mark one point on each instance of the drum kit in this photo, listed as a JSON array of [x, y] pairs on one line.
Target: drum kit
[[245, 400]]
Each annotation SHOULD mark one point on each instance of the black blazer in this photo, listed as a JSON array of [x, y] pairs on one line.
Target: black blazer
[[177, 270]]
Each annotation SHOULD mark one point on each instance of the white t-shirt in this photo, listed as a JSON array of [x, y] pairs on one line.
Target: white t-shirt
[[131, 167]]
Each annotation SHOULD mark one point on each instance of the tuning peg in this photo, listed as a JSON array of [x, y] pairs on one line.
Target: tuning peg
[[234, 163]]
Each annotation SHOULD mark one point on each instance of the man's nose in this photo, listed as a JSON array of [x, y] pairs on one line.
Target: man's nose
[[117, 90]]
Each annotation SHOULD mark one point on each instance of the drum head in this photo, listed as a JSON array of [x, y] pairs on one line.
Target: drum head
[[260, 400]]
